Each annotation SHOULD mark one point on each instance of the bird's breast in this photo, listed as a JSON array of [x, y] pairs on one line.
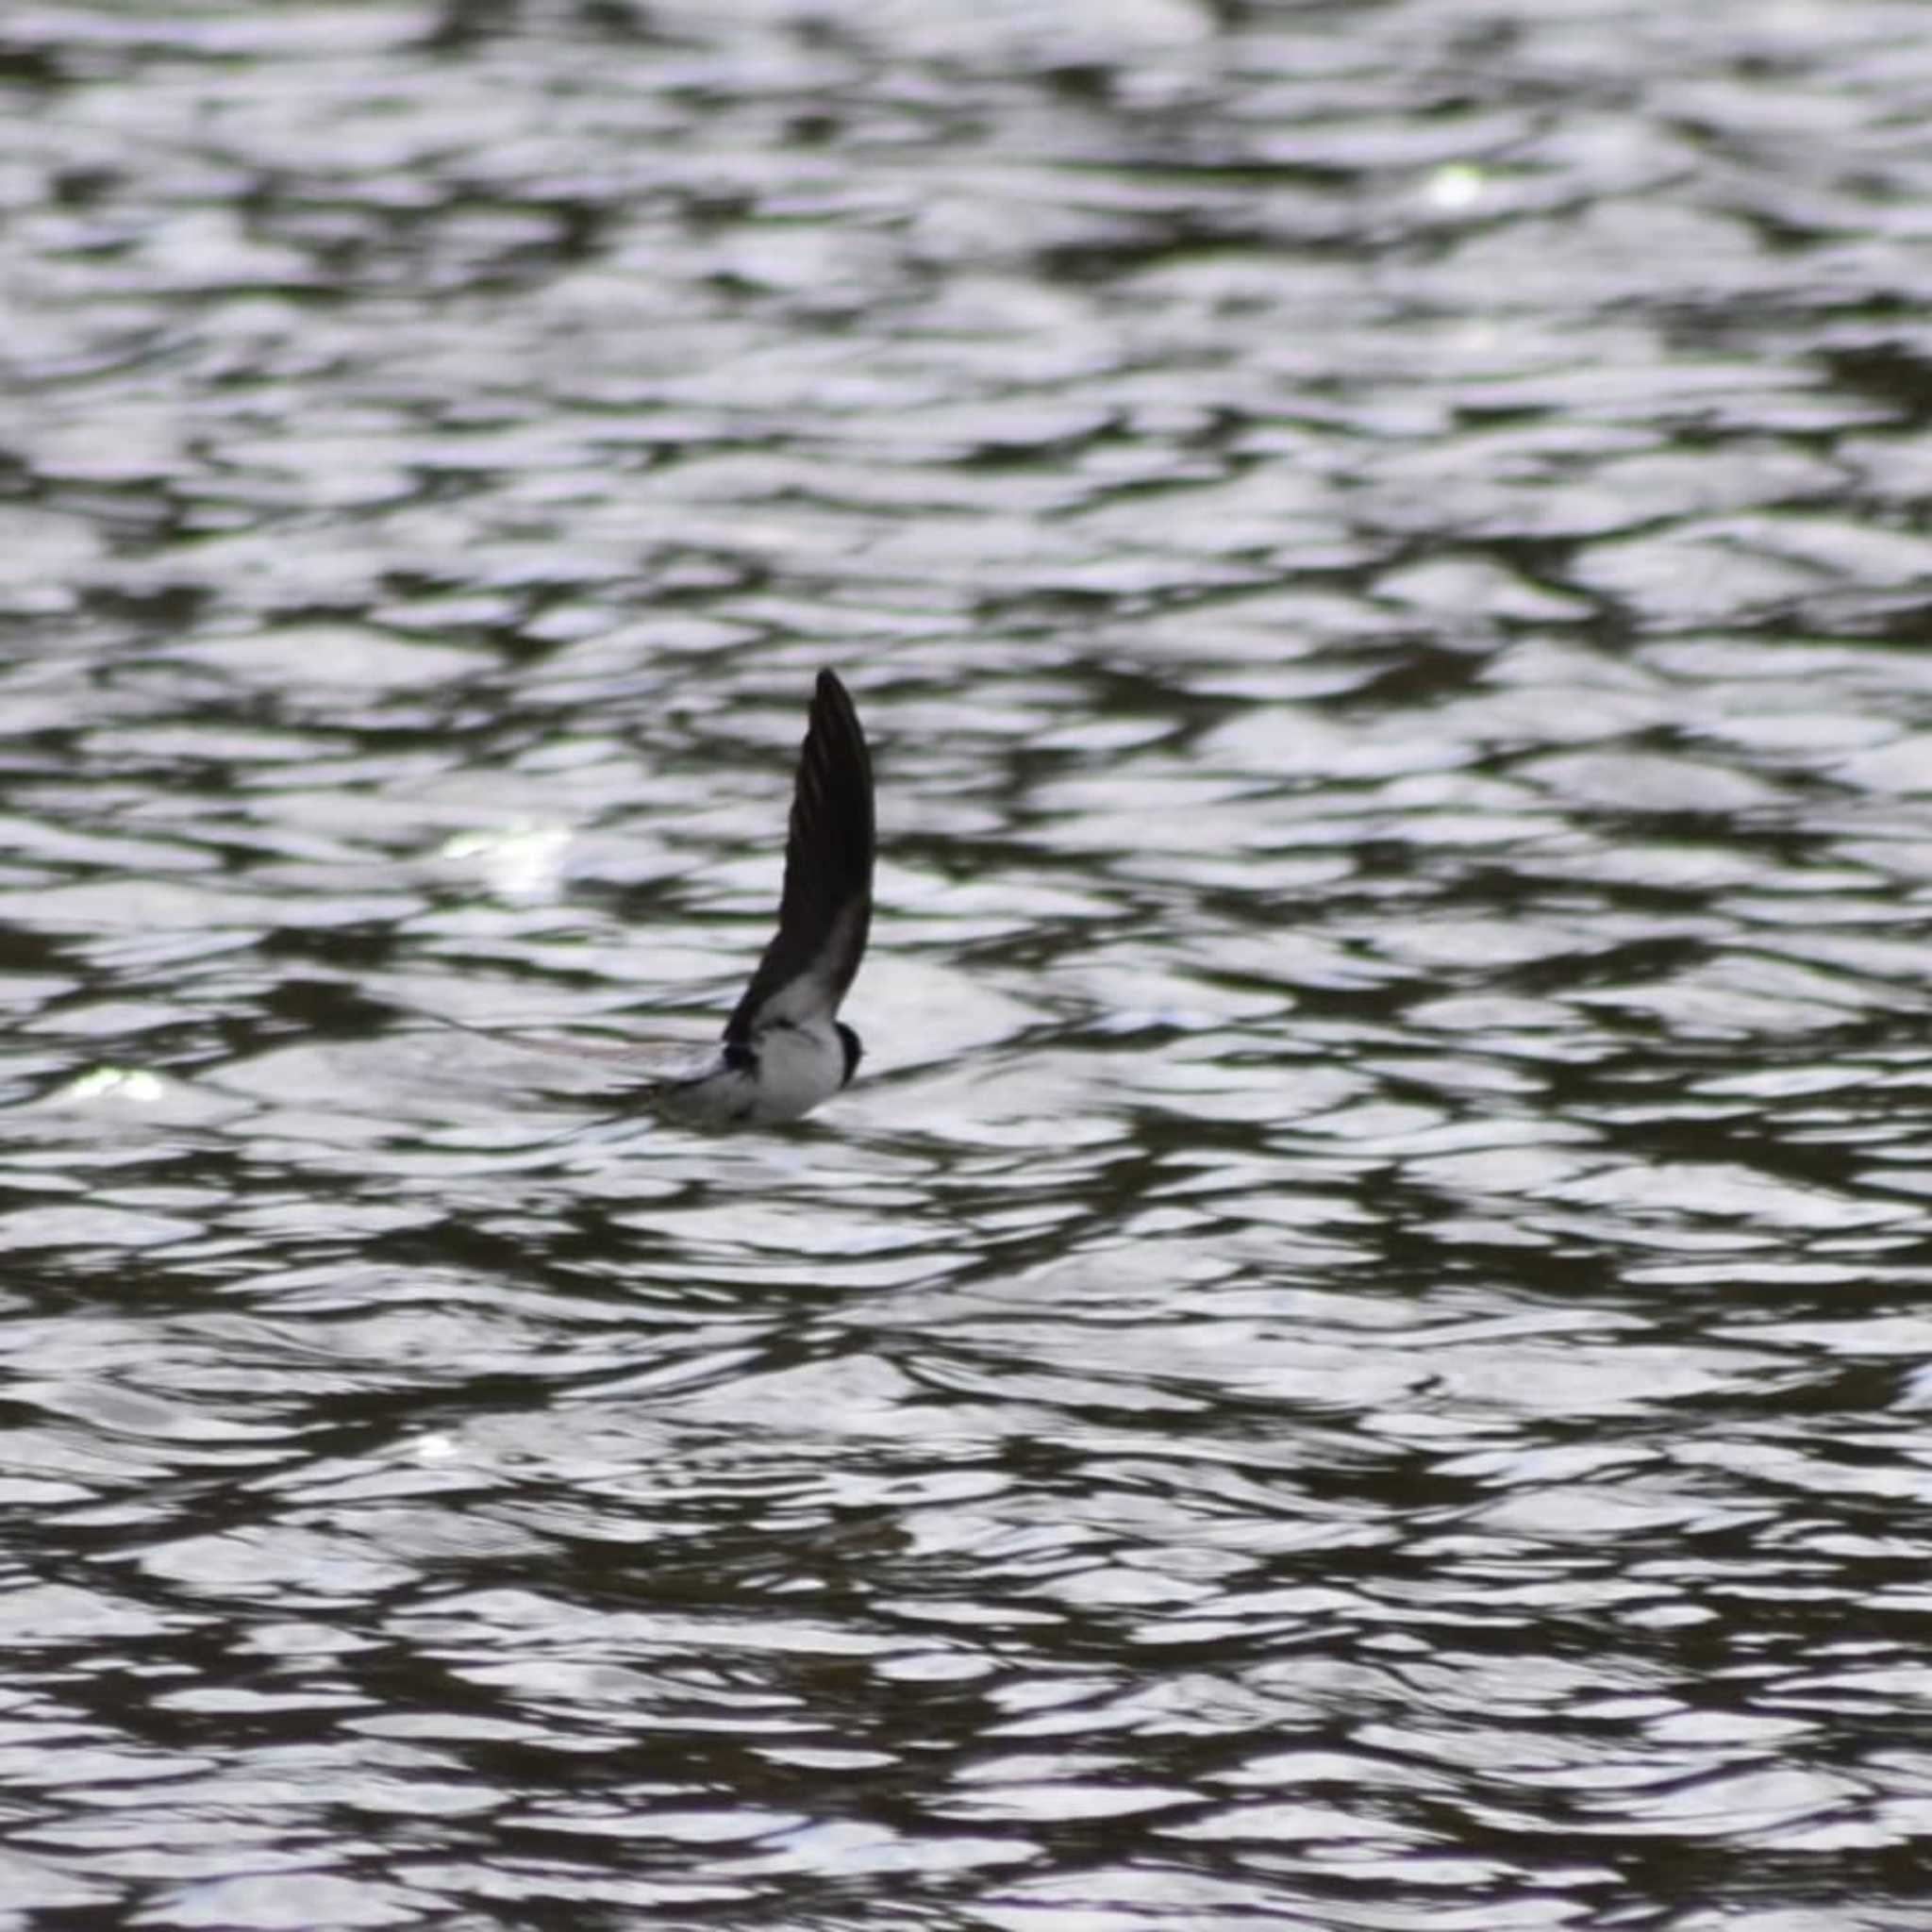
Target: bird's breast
[[797, 1067], [783, 1072]]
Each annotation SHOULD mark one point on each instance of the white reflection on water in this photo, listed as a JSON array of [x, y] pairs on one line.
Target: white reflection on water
[[1352, 1358]]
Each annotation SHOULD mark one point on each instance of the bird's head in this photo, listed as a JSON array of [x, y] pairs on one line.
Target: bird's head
[[854, 1052]]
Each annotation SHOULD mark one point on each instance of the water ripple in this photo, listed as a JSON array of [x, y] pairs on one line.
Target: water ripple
[[1354, 1358]]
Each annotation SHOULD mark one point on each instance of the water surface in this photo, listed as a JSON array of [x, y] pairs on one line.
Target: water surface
[[1358, 1357]]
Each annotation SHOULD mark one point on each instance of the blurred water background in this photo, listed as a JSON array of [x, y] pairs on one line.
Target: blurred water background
[[1357, 1358]]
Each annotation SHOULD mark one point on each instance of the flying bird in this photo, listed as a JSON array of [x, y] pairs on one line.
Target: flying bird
[[785, 1049]]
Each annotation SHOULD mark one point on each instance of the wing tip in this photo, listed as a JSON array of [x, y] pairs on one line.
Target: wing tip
[[829, 694], [833, 717]]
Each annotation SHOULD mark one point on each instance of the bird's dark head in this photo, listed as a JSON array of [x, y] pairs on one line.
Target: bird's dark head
[[854, 1050]]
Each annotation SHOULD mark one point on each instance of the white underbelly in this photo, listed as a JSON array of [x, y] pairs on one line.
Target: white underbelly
[[796, 1069]]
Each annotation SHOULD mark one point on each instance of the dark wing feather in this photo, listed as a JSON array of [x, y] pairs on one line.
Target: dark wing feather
[[827, 908]]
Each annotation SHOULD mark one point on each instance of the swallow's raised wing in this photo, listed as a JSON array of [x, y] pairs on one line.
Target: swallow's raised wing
[[826, 910]]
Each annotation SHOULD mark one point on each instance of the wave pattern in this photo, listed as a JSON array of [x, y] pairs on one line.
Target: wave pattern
[[1357, 1359]]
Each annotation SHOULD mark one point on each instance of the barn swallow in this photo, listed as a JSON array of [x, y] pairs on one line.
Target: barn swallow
[[784, 1048]]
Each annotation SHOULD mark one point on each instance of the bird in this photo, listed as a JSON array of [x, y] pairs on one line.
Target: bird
[[784, 1049]]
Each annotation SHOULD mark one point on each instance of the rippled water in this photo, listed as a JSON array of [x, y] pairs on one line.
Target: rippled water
[[1358, 1357]]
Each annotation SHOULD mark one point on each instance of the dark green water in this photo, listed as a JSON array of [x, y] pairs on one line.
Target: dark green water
[[1356, 1360]]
